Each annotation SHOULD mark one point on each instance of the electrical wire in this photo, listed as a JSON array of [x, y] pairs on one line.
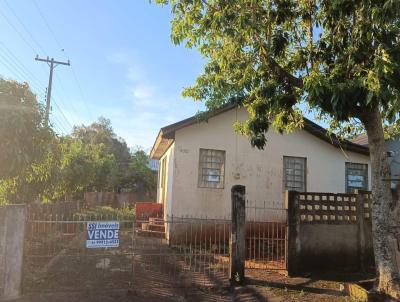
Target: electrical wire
[[24, 27], [17, 31], [18, 65], [29, 45], [82, 94], [18, 72]]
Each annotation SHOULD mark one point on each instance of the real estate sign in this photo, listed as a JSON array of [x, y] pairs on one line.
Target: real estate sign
[[101, 234]]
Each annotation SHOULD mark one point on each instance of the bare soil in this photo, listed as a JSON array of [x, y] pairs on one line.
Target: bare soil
[[149, 270], [260, 285]]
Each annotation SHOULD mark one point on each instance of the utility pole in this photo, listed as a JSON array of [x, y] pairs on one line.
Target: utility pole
[[52, 64]]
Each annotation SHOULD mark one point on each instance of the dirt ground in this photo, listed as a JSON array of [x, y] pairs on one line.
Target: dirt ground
[[158, 273], [261, 285]]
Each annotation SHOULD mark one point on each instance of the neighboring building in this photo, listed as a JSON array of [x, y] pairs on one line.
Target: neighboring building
[[393, 148], [201, 161], [153, 165]]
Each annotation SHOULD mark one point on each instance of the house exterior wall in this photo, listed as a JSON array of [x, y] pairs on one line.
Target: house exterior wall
[[169, 175], [261, 171], [393, 146]]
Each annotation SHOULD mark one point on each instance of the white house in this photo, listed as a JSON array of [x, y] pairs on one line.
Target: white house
[[201, 161]]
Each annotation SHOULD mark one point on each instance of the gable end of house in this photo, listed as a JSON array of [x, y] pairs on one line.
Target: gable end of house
[[166, 135]]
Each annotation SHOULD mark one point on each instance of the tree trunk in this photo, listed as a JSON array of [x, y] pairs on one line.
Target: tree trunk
[[385, 221]]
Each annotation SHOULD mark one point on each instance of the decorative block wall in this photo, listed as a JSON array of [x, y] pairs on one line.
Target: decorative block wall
[[329, 208], [329, 231]]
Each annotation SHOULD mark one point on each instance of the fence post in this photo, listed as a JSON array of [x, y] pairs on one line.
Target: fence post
[[360, 200], [293, 232], [237, 240], [2, 248], [13, 249]]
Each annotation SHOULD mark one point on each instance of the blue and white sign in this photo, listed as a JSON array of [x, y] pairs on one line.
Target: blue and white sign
[[102, 234]]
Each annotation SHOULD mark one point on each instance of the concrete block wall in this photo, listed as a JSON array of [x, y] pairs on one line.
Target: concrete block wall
[[12, 233], [328, 231]]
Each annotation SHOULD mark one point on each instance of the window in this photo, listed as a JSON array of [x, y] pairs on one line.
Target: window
[[294, 173], [356, 177], [211, 168]]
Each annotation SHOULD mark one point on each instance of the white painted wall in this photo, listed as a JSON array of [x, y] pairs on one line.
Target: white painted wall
[[169, 155], [261, 171]]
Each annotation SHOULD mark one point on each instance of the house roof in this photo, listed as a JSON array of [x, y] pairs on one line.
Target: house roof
[[361, 139], [166, 135]]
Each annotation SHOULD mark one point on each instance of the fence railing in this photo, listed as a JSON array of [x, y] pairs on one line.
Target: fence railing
[[56, 256], [266, 236], [153, 249], [199, 247], [62, 209], [56, 245]]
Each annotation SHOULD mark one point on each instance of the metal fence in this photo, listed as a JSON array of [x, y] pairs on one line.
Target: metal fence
[[266, 236], [152, 253], [56, 257], [62, 209], [2, 249], [189, 251]]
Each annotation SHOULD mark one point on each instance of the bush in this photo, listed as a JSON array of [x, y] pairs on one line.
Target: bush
[[106, 213]]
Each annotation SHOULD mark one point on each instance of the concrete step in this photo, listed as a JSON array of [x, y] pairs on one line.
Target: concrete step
[[150, 233], [155, 220], [156, 227]]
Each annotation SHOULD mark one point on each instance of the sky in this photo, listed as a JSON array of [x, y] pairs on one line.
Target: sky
[[123, 64]]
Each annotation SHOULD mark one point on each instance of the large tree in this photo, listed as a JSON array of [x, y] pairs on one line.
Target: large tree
[[37, 165], [23, 136], [101, 132], [139, 176], [81, 167], [339, 57]]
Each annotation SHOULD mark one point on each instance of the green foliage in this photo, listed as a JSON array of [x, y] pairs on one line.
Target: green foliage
[[36, 165], [79, 167], [139, 177], [101, 132], [106, 212], [127, 171], [23, 138], [340, 57]]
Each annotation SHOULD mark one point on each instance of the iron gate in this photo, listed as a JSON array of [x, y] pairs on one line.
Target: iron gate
[[186, 251], [194, 253], [56, 257], [152, 253], [266, 236]]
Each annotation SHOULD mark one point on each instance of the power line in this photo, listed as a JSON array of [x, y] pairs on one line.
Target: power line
[[61, 125], [24, 27], [18, 65], [83, 96], [13, 71], [25, 41], [52, 64], [55, 38], [61, 85], [17, 74], [23, 74], [58, 126], [62, 113], [17, 31], [46, 23]]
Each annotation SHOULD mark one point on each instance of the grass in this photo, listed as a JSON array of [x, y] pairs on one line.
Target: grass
[[106, 213]]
